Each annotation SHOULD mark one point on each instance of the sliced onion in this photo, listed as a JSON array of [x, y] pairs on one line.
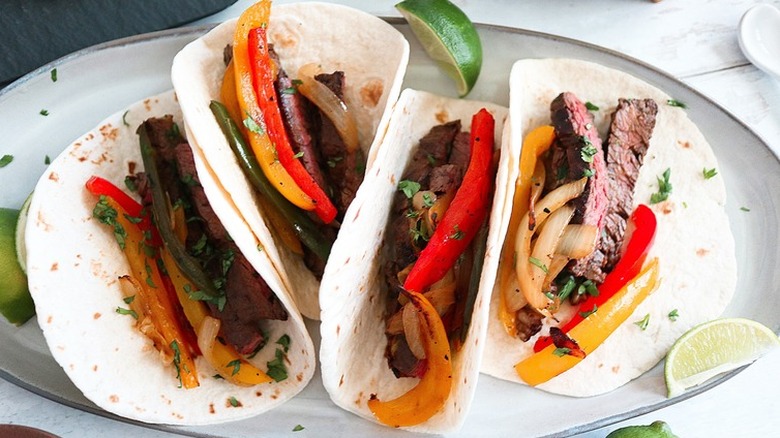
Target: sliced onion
[[559, 261], [144, 322], [442, 293], [545, 246], [207, 336], [411, 323], [330, 104], [437, 210], [578, 240], [526, 280]]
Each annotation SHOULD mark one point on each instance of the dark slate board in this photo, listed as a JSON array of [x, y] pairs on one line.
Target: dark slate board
[[35, 32]]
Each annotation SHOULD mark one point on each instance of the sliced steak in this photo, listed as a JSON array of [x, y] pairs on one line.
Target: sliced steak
[[249, 300], [629, 137], [461, 150], [433, 150], [446, 178], [578, 136]]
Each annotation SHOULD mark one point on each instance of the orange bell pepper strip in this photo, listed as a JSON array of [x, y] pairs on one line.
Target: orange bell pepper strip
[[282, 227], [432, 391], [263, 74], [592, 331], [150, 300], [256, 16], [535, 144]]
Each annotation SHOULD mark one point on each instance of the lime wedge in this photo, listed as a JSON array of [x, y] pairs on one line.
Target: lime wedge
[[21, 251], [713, 348], [16, 305], [449, 38]]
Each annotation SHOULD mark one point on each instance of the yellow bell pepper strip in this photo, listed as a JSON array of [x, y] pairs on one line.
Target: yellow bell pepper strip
[[263, 73], [535, 144], [639, 236], [256, 16], [223, 358], [282, 228], [431, 392], [151, 299], [463, 218], [592, 331]]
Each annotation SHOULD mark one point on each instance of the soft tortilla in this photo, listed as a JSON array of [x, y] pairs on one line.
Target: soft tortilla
[[353, 295], [73, 264], [373, 56], [693, 242]]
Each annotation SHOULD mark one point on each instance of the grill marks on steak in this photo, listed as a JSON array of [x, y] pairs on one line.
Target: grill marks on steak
[[629, 137], [606, 201], [249, 300]]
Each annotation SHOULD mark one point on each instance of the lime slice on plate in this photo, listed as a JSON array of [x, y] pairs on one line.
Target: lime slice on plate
[[449, 38], [713, 348], [21, 251], [16, 305]]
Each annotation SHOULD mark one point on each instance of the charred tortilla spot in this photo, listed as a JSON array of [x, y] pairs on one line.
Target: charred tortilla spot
[[54, 266], [371, 92], [701, 252], [54, 177], [97, 315], [211, 408], [113, 398]]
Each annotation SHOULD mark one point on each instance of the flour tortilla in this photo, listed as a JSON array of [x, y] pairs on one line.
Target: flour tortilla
[[73, 263], [373, 56], [693, 242], [353, 295]]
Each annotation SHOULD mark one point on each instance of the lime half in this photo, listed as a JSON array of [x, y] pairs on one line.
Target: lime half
[[713, 348], [16, 305], [449, 38]]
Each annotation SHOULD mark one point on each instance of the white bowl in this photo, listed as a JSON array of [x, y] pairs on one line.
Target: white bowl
[[759, 37]]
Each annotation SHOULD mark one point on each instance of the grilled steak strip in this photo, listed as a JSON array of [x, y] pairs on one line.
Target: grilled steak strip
[[249, 300], [578, 138], [629, 137]]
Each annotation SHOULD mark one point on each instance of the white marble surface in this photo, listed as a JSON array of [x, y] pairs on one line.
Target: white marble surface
[[695, 41]]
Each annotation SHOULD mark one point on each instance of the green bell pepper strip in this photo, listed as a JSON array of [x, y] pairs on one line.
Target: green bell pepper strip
[[306, 230]]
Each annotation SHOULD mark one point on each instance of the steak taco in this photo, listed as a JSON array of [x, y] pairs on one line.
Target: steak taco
[[309, 86], [401, 339], [153, 294], [617, 229]]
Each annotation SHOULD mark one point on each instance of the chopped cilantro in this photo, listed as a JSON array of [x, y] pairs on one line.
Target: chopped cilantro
[[177, 359], [333, 161], [106, 214], [290, 90], [427, 200], [677, 103], [588, 172], [251, 125], [673, 315], [567, 288], [133, 219], [233, 401], [642, 324], [591, 107], [46, 160], [277, 370], [129, 299], [149, 280], [588, 151], [298, 155], [409, 188], [538, 263], [124, 118], [260, 247], [412, 214], [589, 312], [588, 287], [298, 428], [709, 173], [744, 208], [174, 132], [44, 112], [54, 75], [123, 311], [561, 351], [664, 188], [236, 364], [189, 180], [457, 233], [284, 341]]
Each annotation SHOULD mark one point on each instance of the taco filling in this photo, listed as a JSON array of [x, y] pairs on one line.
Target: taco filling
[[575, 238], [196, 292], [438, 231]]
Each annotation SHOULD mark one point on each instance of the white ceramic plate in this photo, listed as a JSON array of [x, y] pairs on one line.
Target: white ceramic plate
[[96, 82]]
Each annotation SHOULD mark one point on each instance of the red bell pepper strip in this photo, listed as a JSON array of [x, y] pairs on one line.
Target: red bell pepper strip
[[465, 214], [263, 82], [639, 234], [100, 186]]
